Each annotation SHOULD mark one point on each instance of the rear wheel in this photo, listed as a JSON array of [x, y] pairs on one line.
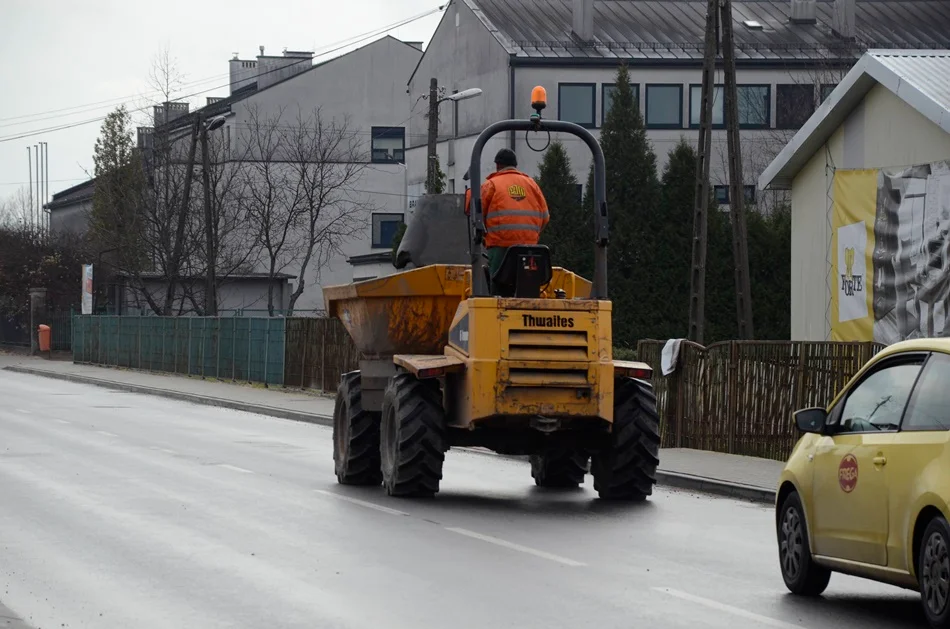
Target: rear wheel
[[413, 437], [561, 467], [801, 574], [626, 469], [355, 436], [933, 572]]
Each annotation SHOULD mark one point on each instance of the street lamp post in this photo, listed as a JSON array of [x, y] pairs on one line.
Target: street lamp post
[[211, 305], [434, 102]]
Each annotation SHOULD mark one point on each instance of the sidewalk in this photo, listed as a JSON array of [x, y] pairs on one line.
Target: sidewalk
[[713, 472]]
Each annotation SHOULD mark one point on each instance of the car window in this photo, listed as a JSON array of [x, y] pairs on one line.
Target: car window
[[877, 403], [929, 407]]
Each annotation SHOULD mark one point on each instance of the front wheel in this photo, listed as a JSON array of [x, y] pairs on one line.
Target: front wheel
[[626, 469], [933, 572], [801, 574], [561, 468], [355, 436], [413, 440]]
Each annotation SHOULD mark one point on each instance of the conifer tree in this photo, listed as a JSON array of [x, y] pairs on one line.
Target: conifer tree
[[569, 233]]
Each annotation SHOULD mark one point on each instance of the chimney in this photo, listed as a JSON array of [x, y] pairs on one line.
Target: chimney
[[242, 72], [583, 19], [803, 12], [843, 23]]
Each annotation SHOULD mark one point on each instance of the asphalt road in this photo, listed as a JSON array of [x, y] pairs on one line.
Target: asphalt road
[[123, 510]]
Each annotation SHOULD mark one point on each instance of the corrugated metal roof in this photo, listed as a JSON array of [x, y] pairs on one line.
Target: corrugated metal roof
[[920, 78], [674, 29]]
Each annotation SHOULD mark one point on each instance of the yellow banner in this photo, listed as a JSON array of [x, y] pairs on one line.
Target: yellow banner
[[852, 247]]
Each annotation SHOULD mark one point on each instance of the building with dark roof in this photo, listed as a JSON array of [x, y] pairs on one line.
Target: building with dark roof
[[790, 55]]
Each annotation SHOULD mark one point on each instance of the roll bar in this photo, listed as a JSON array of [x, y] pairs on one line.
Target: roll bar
[[477, 219]]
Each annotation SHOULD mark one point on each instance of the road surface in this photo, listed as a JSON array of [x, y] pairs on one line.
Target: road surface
[[124, 510]]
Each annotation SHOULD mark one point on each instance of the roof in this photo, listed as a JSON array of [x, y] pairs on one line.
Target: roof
[[921, 79], [223, 106], [652, 30], [71, 196]]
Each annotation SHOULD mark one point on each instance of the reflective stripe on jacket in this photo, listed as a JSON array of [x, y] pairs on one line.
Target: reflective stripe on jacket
[[514, 207]]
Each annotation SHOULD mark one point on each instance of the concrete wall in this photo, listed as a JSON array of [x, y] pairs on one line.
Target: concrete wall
[[882, 132], [73, 219], [248, 295]]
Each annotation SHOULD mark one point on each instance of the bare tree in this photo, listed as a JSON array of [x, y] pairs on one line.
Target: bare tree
[[326, 162], [15, 210]]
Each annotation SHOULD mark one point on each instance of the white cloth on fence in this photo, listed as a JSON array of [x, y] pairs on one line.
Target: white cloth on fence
[[669, 356]]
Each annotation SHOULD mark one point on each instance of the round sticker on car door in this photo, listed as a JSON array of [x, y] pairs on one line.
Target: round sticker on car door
[[848, 473]]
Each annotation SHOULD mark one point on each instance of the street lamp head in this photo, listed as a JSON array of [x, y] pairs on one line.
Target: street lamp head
[[215, 123], [465, 94]]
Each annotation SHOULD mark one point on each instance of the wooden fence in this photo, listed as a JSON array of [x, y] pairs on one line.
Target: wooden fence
[[317, 351], [739, 396]]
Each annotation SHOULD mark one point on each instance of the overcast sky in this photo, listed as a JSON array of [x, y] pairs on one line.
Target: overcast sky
[[90, 56]]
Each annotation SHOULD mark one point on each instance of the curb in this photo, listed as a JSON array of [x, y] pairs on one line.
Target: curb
[[664, 478], [282, 413], [714, 486]]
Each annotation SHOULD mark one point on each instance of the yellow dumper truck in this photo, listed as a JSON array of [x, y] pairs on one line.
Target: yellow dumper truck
[[525, 368]]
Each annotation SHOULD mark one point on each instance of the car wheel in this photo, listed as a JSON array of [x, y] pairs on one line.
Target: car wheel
[[933, 573], [801, 574]]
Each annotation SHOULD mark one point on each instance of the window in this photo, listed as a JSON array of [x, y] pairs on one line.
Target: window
[[389, 145], [877, 403], [929, 408], [696, 106], [607, 98], [384, 229], [826, 91], [722, 194], [755, 104], [664, 106], [575, 103], [794, 105]]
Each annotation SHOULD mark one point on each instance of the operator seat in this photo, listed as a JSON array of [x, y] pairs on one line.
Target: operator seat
[[524, 270]]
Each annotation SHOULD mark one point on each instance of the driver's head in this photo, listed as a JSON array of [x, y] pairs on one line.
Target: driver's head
[[505, 158]]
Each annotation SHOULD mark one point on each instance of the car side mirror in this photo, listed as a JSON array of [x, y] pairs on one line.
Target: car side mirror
[[811, 419]]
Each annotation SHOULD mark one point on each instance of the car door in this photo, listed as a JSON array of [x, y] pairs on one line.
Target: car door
[[917, 463], [850, 502]]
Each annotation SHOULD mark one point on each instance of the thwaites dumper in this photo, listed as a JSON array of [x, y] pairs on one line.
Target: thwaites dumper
[[523, 368]]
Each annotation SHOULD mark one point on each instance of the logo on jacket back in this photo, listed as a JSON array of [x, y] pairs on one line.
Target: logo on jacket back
[[555, 321], [516, 192]]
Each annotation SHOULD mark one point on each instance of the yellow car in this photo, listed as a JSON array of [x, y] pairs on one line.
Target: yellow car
[[866, 490]]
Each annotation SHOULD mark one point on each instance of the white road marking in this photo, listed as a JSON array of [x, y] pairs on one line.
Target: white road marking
[[729, 609], [362, 503], [63, 421], [165, 450], [106, 433], [235, 468], [518, 547], [23, 410]]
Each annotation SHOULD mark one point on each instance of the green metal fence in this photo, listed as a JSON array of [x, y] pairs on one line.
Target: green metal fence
[[237, 348]]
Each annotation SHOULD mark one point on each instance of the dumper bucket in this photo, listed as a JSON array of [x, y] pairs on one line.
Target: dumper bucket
[[404, 313]]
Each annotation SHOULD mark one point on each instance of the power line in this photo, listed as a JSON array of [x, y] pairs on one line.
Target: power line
[[350, 42]]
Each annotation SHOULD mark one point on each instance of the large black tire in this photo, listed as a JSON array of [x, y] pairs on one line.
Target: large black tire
[[626, 469], [801, 574], [560, 467], [933, 572], [355, 436], [413, 441]]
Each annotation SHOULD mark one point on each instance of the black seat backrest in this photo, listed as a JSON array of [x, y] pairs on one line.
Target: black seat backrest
[[524, 270]]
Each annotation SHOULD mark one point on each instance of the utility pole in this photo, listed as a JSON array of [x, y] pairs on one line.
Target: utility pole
[[719, 12], [431, 156], [29, 163], [35, 209], [211, 308]]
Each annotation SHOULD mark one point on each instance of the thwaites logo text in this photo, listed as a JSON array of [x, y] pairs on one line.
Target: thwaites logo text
[[555, 321], [851, 282]]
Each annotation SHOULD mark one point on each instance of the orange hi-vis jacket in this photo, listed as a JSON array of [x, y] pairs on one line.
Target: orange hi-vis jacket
[[514, 208]]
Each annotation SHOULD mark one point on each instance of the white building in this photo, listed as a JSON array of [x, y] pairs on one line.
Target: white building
[[785, 67], [869, 175], [366, 89]]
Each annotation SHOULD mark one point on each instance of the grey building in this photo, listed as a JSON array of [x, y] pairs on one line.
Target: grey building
[[790, 55], [69, 210]]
